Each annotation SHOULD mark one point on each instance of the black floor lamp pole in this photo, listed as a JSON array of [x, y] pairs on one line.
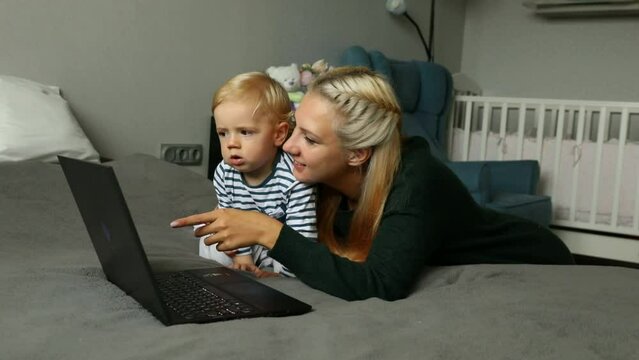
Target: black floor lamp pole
[[431, 31], [419, 31], [429, 53]]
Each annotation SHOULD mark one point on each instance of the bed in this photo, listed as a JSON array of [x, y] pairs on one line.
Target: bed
[[55, 302]]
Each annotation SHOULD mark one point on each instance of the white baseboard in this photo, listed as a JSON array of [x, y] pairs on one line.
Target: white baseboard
[[601, 246]]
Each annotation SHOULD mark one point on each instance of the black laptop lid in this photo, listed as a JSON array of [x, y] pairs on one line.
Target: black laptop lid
[[107, 218]]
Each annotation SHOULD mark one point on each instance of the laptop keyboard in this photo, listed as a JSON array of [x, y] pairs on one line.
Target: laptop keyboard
[[186, 296]]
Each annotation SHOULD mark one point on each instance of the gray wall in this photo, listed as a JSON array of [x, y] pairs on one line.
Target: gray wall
[[139, 73], [511, 52]]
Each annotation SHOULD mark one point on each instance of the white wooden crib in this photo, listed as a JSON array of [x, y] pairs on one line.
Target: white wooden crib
[[589, 157]]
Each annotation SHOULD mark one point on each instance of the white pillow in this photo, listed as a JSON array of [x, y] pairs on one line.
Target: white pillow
[[37, 124]]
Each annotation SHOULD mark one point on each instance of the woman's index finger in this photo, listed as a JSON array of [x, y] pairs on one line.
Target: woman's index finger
[[202, 218]]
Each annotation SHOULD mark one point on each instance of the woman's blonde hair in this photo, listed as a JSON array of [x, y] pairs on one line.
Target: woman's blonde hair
[[370, 118], [269, 97]]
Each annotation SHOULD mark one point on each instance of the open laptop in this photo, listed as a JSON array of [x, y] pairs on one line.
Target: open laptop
[[190, 296]]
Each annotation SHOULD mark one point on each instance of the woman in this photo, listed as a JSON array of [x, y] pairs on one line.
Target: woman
[[386, 207]]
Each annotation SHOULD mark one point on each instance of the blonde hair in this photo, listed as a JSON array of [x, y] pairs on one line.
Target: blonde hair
[[370, 118], [269, 97]]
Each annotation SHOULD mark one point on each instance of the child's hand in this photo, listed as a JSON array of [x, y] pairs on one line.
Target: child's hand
[[240, 259], [245, 267], [245, 263], [259, 273], [264, 274]]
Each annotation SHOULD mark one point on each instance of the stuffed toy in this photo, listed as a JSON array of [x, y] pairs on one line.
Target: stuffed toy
[[309, 72], [289, 78]]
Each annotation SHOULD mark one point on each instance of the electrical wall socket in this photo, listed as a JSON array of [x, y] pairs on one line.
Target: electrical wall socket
[[182, 154]]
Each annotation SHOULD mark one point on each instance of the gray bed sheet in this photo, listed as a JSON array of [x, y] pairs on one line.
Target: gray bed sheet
[[55, 302]]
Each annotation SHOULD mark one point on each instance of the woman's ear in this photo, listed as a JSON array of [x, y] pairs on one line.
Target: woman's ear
[[281, 132], [358, 157]]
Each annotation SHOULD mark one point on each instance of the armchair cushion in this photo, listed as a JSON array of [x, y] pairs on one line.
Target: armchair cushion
[[381, 64], [356, 56], [475, 177], [413, 124], [537, 208], [436, 98], [407, 84], [503, 176]]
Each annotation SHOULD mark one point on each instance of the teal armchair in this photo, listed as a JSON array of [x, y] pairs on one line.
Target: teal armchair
[[424, 90]]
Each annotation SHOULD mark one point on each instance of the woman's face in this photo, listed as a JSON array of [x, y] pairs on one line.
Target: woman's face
[[317, 152]]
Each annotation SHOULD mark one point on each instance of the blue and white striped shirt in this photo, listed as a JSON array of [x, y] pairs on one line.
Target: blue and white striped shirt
[[279, 196]]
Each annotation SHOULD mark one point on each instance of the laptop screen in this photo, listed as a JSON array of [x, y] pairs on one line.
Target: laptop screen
[[115, 239]]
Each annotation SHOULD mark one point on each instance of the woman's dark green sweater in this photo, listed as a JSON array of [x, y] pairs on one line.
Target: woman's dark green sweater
[[429, 219]]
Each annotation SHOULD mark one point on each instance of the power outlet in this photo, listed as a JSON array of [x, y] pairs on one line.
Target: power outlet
[[182, 154]]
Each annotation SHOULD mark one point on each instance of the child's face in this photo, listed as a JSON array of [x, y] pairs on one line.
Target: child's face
[[249, 142]]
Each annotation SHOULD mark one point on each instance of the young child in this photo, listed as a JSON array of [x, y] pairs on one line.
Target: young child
[[252, 116]]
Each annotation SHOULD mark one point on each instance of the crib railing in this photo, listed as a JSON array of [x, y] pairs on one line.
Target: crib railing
[[575, 143]]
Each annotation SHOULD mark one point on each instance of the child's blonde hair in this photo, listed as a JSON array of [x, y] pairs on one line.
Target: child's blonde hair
[[370, 118], [269, 97]]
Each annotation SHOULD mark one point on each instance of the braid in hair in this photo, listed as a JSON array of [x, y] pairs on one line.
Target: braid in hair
[[371, 118]]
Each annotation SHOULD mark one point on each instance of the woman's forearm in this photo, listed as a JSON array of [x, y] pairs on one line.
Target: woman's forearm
[[271, 231], [231, 229], [316, 266]]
